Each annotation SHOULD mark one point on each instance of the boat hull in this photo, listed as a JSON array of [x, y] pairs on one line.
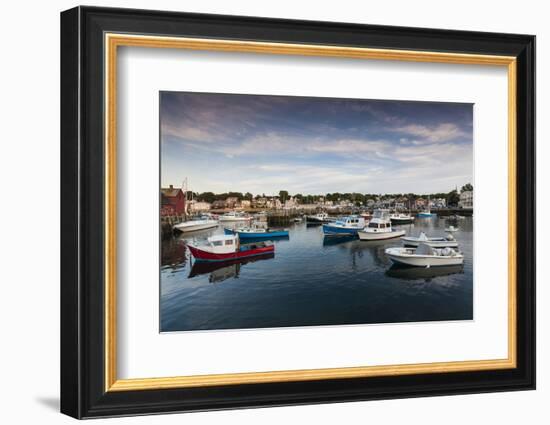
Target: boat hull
[[331, 230], [194, 228], [202, 255], [434, 244], [258, 235], [378, 236], [222, 218], [416, 260], [426, 215], [315, 220], [396, 221]]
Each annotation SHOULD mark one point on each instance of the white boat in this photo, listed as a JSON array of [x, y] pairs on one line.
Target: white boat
[[401, 218], [425, 256], [201, 223], [438, 242], [235, 216], [379, 228], [451, 229]]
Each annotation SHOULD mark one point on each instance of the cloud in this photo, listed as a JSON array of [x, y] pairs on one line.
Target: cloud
[[264, 144], [439, 133]]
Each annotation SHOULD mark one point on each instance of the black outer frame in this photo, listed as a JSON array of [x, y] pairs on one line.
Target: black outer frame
[[82, 212]]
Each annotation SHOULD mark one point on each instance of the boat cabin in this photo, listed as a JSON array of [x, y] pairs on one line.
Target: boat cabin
[[351, 221], [378, 225], [380, 222], [223, 244], [381, 215]]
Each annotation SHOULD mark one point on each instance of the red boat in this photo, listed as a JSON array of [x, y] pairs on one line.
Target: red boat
[[227, 247]]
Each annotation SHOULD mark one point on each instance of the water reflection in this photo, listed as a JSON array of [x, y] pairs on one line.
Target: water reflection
[[220, 271], [312, 280], [337, 240], [427, 274]]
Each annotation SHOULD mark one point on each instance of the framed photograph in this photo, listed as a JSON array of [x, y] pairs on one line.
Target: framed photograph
[[261, 212]]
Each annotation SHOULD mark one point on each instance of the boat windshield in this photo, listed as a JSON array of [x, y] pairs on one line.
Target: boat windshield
[[384, 215]]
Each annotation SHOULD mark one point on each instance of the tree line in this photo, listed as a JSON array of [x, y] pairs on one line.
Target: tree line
[[356, 198]]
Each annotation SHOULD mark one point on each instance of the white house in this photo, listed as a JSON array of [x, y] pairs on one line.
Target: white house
[[466, 199], [196, 206]]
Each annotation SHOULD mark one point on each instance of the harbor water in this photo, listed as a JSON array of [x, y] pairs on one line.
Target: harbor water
[[313, 280]]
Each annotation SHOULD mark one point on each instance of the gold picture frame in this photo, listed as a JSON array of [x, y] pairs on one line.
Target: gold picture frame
[[114, 41]]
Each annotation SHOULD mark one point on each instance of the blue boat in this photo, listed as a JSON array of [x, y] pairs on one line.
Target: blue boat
[[426, 214], [345, 226], [248, 233]]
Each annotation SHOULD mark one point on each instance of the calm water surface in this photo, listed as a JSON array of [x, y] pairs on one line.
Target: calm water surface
[[313, 280]]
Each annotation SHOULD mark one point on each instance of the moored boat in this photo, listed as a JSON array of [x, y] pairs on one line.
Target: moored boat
[[379, 228], [256, 233], [318, 218], [435, 242], [400, 218], [235, 216], [426, 213], [201, 223], [228, 247], [346, 226], [425, 256]]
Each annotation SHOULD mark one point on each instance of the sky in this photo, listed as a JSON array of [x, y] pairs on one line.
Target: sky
[[311, 145]]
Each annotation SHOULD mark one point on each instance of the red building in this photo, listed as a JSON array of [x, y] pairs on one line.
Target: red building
[[172, 201]]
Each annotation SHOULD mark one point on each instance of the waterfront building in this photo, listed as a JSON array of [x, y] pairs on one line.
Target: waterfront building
[[219, 204], [172, 201], [259, 202], [420, 203], [231, 202], [291, 203], [466, 199], [274, 203], [199, 206]]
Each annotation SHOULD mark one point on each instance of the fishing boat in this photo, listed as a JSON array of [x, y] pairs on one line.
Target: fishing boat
[[228, 247], [451, 229], [345, 226], [436, 242], [256, 233], [199, 223], [425, 256], [400, 218], [235, 216], [427, 213], [379, 228], [318, 218]]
